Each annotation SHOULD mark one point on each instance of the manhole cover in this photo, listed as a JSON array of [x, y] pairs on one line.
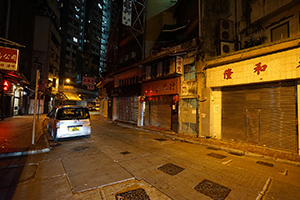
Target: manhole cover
[[160, 139], [171, 169], [215, 155], [133, 194], [125, 152], [265, 163], [80, 149], [213, 190]]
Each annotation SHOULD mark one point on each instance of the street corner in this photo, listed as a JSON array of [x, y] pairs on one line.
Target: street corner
[[133, 188]]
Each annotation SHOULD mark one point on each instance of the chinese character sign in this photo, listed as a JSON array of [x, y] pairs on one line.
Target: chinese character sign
[[228, 73], [179, 66], [127, 8], [259, 68], [88, 80], [9, 59], [162, 87], [91, 87]]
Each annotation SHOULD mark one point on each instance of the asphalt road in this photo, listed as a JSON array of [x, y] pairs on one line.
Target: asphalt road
[[117, 161]]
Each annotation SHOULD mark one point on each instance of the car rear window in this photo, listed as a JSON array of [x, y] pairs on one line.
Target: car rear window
[[72, 113]]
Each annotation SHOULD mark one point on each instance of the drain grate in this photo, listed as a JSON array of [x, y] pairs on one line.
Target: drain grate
[[171, 169], [213, 190], [80, 149], [125, 152], [215, 155], [133, 194], [160, 139], [265, 163], [237, 153]]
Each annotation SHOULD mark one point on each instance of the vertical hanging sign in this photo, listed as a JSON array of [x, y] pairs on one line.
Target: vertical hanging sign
[[179, 66], [126, 16]]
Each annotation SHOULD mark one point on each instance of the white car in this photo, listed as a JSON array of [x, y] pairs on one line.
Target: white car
[[69, 121]]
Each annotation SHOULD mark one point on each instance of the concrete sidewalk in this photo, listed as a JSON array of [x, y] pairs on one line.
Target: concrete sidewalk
[[16, 136], [231, 147]]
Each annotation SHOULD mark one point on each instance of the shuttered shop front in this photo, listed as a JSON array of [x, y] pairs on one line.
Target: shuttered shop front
[[127, 109], [160, 112], [261, 114]]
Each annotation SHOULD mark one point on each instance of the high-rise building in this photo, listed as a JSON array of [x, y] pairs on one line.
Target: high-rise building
[[84, 33], [72, 34]]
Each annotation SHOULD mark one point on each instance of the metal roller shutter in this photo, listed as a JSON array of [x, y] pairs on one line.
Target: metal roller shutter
[[127, 109], [160, 114], [262, 114]]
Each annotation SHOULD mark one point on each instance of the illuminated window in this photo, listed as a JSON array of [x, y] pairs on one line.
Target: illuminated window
[[75, 39], [77, 9], [99, 5]]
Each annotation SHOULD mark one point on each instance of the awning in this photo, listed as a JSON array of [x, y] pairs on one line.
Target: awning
[[15, 77], [72, 96]]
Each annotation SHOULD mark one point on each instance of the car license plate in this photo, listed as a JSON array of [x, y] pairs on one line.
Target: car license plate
[[74, 128]]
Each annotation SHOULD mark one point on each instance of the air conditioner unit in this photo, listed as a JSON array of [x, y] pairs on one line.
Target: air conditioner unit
[[226, 47], [153, 52], [226, 30]]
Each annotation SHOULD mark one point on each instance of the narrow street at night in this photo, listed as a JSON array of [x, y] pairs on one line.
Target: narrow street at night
[[118, 160]]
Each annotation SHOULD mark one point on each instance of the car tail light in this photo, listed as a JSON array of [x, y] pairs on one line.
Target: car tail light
[[57, 123]]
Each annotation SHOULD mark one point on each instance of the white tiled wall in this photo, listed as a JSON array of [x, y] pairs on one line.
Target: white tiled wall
[[280, 66]]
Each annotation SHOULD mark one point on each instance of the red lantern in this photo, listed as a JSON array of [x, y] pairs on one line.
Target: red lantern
[[176, 98]]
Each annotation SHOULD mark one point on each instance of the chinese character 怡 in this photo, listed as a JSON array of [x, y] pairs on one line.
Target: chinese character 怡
[[228, 73], [259, 68]]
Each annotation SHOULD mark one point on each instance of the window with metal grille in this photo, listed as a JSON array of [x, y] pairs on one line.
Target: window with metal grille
[[189, 72]]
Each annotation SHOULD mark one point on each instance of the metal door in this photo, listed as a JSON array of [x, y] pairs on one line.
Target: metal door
[[189, 115]]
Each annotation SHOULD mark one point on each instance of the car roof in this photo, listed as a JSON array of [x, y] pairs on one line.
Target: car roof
[[71, 106]]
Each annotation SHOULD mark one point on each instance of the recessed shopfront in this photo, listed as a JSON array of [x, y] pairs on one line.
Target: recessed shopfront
[[256, 100], [261, 114]]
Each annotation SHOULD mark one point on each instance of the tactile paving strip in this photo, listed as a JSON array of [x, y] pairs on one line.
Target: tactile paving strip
[[213, 190]]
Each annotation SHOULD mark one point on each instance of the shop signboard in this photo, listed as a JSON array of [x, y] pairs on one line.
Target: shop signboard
[[9, 59], [88, 80], [162, 87], [179, 65]]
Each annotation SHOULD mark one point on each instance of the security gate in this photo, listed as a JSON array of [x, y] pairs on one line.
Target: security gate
[[261, 114]]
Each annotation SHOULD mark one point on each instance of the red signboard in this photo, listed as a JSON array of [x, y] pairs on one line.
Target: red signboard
[[9, 58], [91, 87], [163, 87], [88, 80]]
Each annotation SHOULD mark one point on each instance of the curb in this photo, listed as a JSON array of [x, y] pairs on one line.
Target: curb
[[29, 152], [216, 147], [24, 153]]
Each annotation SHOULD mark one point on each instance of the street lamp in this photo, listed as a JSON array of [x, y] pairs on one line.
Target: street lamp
[[63, 85], [68, 81]]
